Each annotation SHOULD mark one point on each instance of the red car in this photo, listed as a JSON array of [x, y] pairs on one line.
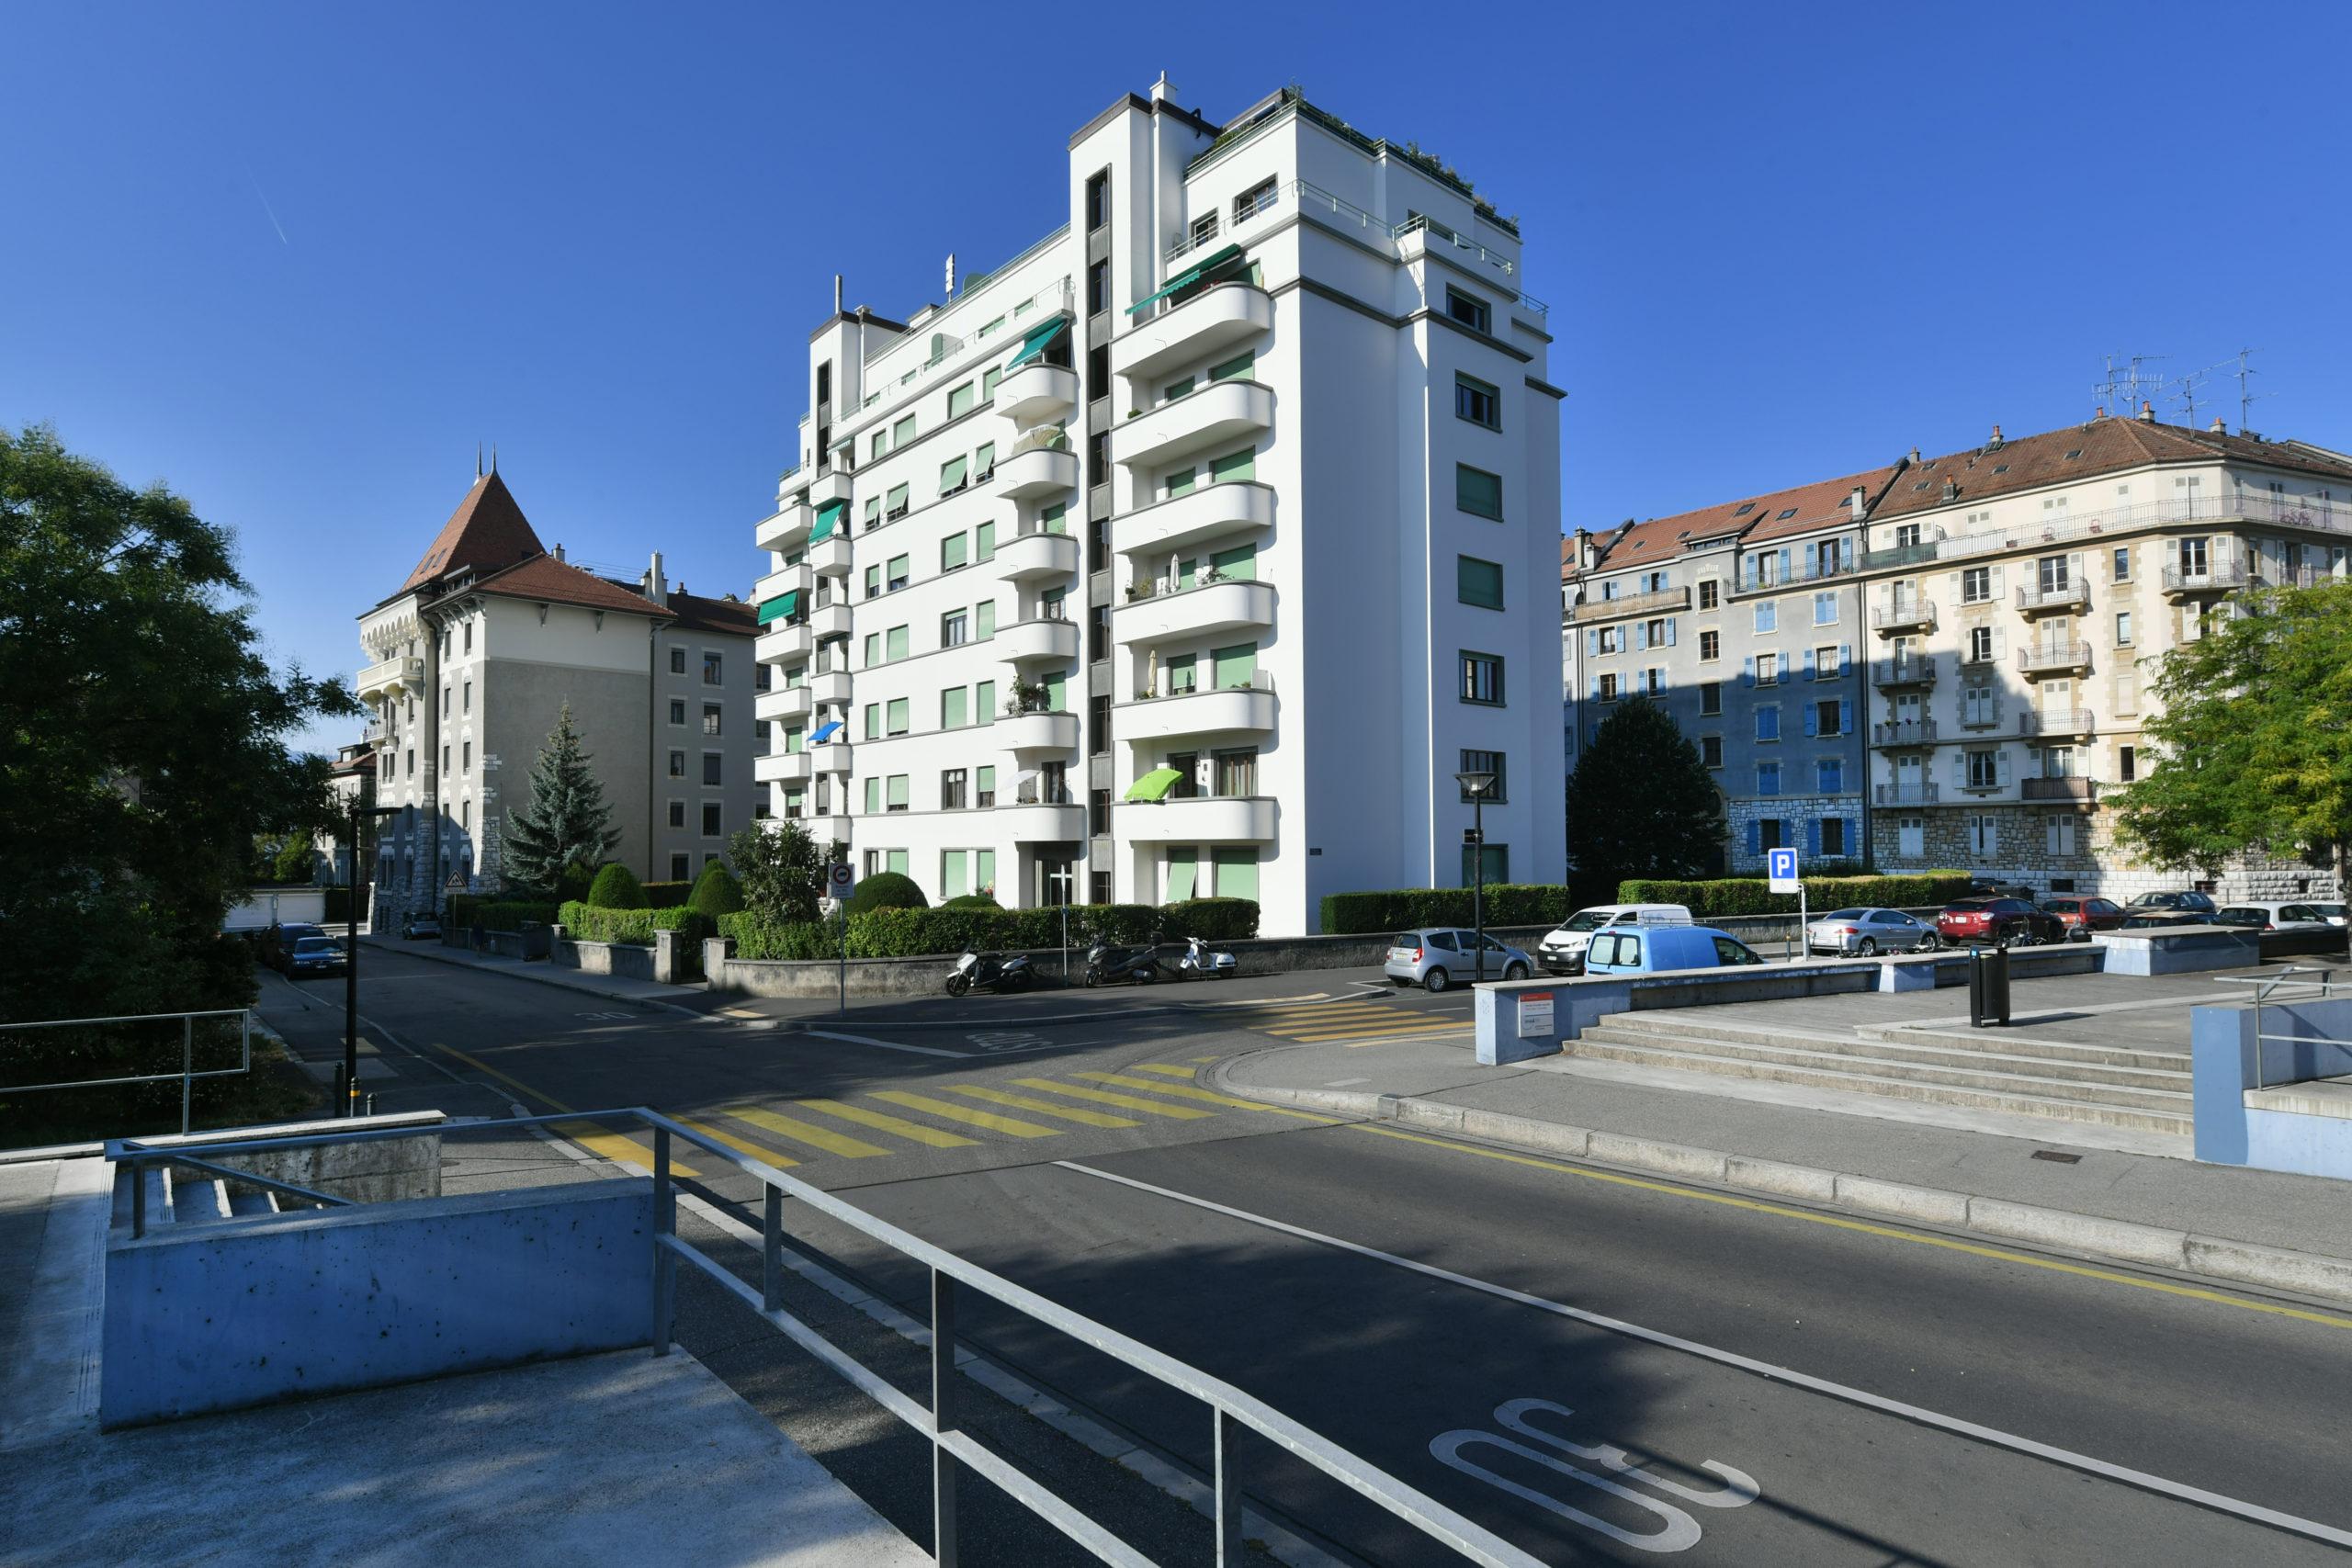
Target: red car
[[2084, 916], [1964, 921]]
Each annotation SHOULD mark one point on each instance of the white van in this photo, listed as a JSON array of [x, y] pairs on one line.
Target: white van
[[1562, 950]]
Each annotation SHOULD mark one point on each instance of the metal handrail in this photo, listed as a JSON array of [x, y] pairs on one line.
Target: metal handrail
[[188, 1075], [139, 1162], [1231, 1408], [2269, 984]]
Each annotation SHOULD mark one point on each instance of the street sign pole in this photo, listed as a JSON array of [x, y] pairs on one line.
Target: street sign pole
[[1781, 876], [840, 882]]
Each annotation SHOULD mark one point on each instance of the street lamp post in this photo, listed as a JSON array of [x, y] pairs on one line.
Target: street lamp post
[[1475, 786], [360, 813]]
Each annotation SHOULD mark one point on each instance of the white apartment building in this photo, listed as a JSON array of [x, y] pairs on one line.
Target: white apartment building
[[1194, 550]]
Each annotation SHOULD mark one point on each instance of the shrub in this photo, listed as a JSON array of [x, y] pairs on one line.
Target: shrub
[[1747, 896], [1120, 924], [971, 901], [716, 891], [667, 894], [617, 888], [468, 910], [1211, 919], [756, 936], [887, 890], [573, 885], [635, 928]]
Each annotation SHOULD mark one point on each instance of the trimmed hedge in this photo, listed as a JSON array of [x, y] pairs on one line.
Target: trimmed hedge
[[971, 901], [668, 895], [1211, 919], [1402, 908], [756, 936], [617, 888], [468, 910], [716, 891], [1747, 895], [635, 928], [930, 933], [886, 890]]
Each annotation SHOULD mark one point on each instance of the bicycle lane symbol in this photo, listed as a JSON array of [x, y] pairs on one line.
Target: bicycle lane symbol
[[1677, 1532]]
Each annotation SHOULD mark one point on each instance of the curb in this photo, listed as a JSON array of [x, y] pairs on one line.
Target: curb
[[430, 956], [2184, 1252]]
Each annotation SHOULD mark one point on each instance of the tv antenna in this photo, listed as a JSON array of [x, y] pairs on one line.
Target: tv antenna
[[2187, 396], [2247, 399], [2128, 382]]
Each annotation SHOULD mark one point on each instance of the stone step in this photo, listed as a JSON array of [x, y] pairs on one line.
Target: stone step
[[1932, 1053], [1992, 1075], [252, 1203], [1669, 1024], [2017, 1096], [197, 1200]]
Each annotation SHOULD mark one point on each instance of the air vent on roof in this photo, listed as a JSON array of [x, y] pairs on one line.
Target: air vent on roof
[[1745, 508], [1784, 516], [2000, 468], [2075, 453], [1922, 484]]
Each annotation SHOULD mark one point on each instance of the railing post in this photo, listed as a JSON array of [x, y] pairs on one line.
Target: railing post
[[1229, 1549], [138, 1200], [772, 1251], [188, 1066], [942, 1419], [666, 1224]]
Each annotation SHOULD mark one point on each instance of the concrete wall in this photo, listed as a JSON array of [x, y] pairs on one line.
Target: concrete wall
[[264, 907], [2179, 950], [217, 1317], [2226, 1062], [381, 1171]]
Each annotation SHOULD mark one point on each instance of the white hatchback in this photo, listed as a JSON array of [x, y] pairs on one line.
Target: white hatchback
[[1562, 950]]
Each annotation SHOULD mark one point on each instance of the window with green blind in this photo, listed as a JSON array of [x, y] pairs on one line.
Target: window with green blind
[[984, 542], [1239, 368], [1056, 518], [879, 445], [874, 512], [1237, 871], [984, 460], [873, 581], [894, 643], [874, 721], [951, 475], [1175, 390], [1477, 491], [1235, 666], [953, 866], [895, 501], [1183, 869], [895, 860], [873, 648], [791, 741], [1182, 483], [959, 400], [1058, 692], [1242, 465], [984, 618], [874, 798], [951, 551], [895, 793], [895, 572], [984, 707], [984, 788], [1184, 673], [1478, 583], [1239, 564], [894, 717], [988, 378], [1497, 868], [903, 432], [984, 864], [951, 700], [1187, 573], [791, 800]]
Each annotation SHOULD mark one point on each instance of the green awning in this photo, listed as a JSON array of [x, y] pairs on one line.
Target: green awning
[[829, 518], [1034, 344], [1192, 275], [783, 605], [1153, 786]]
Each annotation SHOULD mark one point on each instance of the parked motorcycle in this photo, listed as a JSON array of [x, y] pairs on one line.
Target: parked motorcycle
[[1125, 966], [989, 971], [1201, 962]]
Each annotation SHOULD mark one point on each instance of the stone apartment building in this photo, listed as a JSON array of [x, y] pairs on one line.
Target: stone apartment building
[[1994, 615], [474, 658]]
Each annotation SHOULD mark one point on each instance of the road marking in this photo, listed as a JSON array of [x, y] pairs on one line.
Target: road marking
[[1184, 1072], [1679, 1532], [898, 1124], [740, 1012], [1410, 1039], [740, 1145], [1917, 1414], [989, 1119], [1188, 1092], [807, 1132], [888, 1044], [1024, 1102], [587, 1135], [1124, 1102]]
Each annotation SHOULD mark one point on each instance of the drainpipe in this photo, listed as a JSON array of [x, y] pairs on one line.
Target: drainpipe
[[653, 738]]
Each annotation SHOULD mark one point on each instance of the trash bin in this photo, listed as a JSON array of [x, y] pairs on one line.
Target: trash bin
[[1988, 986]]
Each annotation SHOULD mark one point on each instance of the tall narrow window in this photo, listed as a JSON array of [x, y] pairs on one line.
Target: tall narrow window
[[1476, 402], [1477, 491]]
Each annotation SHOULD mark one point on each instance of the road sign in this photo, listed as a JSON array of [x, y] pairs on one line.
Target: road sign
[[840, 880], [1780, 869]]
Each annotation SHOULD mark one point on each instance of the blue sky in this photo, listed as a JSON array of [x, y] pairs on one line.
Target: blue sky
[[296, 261]]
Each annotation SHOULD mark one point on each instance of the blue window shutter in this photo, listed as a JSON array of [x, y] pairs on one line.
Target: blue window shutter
[[1813, 836], [1809, 726], [1748, 671], [1809, 673], [1754, 838], [1853, 837], [1786, 557], [1592, 642], [1845, 657], [1669, 631], [1641, 634], [1845, 716]]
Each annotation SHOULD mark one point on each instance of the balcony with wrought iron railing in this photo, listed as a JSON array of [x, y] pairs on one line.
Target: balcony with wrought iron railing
[[1904, 616], [1904, 732], [1905, 794], [2042, 657], [1767, 577], [2321, 515], [2074, 789], [1658, 602], [2220, 577], [2074, 596], [1914, 671], [2060, 721]]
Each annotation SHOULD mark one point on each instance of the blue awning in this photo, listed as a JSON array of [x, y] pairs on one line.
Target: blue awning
[[824, 731]]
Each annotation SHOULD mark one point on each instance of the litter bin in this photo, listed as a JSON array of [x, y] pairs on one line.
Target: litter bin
[[1988, 986]]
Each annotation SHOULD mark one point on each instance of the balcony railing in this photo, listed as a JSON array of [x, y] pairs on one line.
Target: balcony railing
[[1904, 732], [2054, 656], [2058, 789], [2064, 721], [1905, 795], [2219, 578], [2065, 596], [1796, 576], [1663, 601], [1904, 616], [2277, 510], [1919, 671]]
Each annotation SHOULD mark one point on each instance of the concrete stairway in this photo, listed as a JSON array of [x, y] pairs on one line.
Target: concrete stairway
[[1998, 1070], [185, 1197]]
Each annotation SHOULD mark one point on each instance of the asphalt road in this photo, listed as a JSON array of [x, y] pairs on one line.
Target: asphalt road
[[1599, 1366]]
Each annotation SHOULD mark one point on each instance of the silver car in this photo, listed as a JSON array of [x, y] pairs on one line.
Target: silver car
[[1437, 956], [2297, 915], [1869, 932]]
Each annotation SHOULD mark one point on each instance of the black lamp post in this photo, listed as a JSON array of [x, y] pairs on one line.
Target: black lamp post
[[360, 812], [1475, 786]]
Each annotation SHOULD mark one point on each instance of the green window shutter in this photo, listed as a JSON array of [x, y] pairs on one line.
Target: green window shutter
[[951, 551], [792, 799], [895, 860], [951, 475], [984, 460], [984, 780], [988, 378], [1056, 518], [897, 499], [1239, 563], [1242, 465], [951, 708], [895, 570], [952, 866], [1478, 583], [1477, 491], [874, 721], [1237, 871], [873, 511], [1183, 866], [894, 717], [791, 740], [903, 432], [795, 676], [1187, 573], [1235, 665], [874, 798], [873, 648], [897, 789], [1239, 368], [984, 542], [1058, 692], [1182, 483], [880, 444], [984, 700], [1184, 673], [873, 581], [1175, 390], [959, 401], [984, 860], [894, 643], [984, 618]]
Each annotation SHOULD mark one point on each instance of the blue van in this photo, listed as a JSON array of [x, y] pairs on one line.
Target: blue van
[[1651, 950]]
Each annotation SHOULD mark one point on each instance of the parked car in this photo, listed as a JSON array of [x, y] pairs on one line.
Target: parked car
[[2190, 902], [1869, 932], [315, 955], [278, 942], [1562, 950], [1966, 920], [1437, 956], [1653, 950], [2084, 916], [418, 927], [2273, 915], [1989, 887], [2332, 913], [2156, 919]]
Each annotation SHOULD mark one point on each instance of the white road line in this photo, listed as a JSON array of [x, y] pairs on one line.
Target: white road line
[[1924, 1418], [891, 1044]]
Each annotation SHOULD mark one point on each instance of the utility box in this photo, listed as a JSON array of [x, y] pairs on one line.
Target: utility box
[[1516, 1022]]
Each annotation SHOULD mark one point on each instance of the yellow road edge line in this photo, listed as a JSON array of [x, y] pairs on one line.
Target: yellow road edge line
[[548, 1100], [1363, 1032], [740, 1145], [808, 1132], [1191, 1093], [1011, 1125], [1127, 1102], [1185, 1073], [915, 1131], [1068, 1113], [1891, 1233]]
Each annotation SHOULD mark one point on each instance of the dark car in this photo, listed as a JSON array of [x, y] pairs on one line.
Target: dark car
[[1987, 888], [2084, 916], [278, 942], [2156, 919], [420, 926], [1998, 920], [2191, 902], [315, 955]]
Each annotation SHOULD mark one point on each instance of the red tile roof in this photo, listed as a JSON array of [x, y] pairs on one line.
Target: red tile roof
[[732, 618], [544, 577], [1768, 516], [487, 531], [2081, 451]]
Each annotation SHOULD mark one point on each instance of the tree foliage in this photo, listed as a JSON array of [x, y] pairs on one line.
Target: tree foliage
[[715, 892], [1641, 802], [568, 822], [781, 869], [296, 858], [143, 743], [887, 890], [617, 888], [2249, 742]]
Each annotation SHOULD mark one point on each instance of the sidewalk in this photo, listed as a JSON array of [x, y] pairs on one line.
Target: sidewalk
[[2264, 1229], [692, 1000]]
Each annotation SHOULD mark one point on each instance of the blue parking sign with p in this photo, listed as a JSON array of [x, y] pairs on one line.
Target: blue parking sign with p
[[1780, 867]]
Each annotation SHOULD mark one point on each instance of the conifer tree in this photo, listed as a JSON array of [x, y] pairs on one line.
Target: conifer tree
[[1642, 802], [568, 821]]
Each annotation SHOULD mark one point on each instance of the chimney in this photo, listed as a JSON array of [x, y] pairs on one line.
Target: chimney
[[655, 586], [2219, 427], [1915, 455], [2099, 412], [1951, 488], [837, 294], [1856, 503], [1163, 90], [1994, 444], [557, 551], [2147, 412]]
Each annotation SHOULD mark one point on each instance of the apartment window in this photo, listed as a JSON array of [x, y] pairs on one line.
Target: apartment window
[[2122, 628], [873, 649], [894, 798], [1710, 696], [2051, 574], [1476, 402], [959, 400], [1983, 834], [677, 710], [1826, 666], [896, 716], [1833, 836], [1711, 647], [466, 703], [1655, 634], [1477, 491], [1710, 594], [1986, 770], [1478, 583], [984, 787], [1980, 706], [1768, 778], [1098, 200], [1098, 288], [1710, 750], [711, 824], [1472, 763], [1829, 776], [1482, 678], [2126, 764], [466, 757], [1768, 722], [444, 701], [1826, 717], [954, 630], [763, 675], [874, 507], [1606, 688], [894, 502], [677, 765], [760, 733], [1979, 645], [677, 814], [952, 476], [895, 576], [1911, 837], [1254, 200], [1771, 833], [1768, 669], [951, 789], [714, 767], [2058, 833], [872, 582], [1976, 585], [444, 758], [1609, 640], [1824, 609], [2122, 563], [875, 449], [1654, 681], [1470, 311], [710, 717], [1768, 618], [681, 866]]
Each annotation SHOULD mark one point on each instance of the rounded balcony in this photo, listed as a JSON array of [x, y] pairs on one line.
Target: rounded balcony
[[1191, 614], [1036, 554], [775, 584], [1210, 512], [833, 758], [1215, 318], [782, 705], [1036, 473], [1029, 823], [829, 557], [1221, 414], [783, 528], [830, 686], [1237, 710], [1202, 819], [782, 644], [1038, 393], [782, 767], [1037, 732], [829, 620], [1023, 642]]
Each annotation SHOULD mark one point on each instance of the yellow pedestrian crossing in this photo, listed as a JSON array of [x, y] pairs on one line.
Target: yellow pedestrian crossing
[[1124, 1102], [889, 1123], [1028, 1102], [776, 1158], [1012, 1126], [1189, 1092], [807, 1132], [1347, 1020]]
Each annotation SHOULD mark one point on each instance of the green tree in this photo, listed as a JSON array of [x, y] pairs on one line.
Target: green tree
[[716, 891], [296, 858], [617, 888], [781, 869], [887, 890], [568, 821], [2249, 743], [1641, 802], [142, 742]]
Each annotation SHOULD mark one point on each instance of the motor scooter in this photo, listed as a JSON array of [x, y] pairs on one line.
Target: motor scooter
[[1201, 962], [989, 971], [1125, 965]]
